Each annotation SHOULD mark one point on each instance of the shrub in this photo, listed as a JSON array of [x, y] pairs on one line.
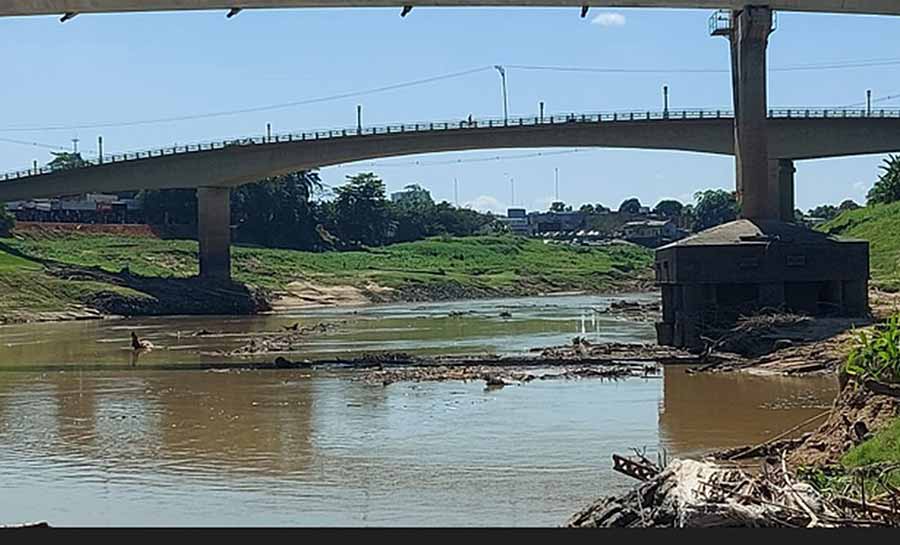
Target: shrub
[[7, 221], [877, 356]]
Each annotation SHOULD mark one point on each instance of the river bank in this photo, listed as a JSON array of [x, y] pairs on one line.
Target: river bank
[[51, 272]]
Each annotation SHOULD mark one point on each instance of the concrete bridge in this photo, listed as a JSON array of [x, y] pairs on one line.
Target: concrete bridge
[[214, 167], [793, 135]]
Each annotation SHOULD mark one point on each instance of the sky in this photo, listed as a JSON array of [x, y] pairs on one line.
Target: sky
[[59, 79]]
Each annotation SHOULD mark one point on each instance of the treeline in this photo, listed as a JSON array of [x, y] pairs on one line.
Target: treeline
[[280, 212]]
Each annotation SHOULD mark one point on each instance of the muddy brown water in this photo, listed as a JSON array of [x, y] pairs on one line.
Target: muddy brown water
[[122, 445]]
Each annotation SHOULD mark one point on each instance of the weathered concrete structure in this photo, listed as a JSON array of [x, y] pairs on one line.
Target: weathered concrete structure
[[762, 260], [747, 265]]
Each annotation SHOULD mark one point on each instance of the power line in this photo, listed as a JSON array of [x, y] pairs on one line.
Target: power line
[[472, 160], [616, 70], [283, 105], [874, 100], [33, 144], [866, 63]]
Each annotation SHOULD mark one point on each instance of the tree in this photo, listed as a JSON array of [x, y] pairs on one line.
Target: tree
[[557, 207], [687, 218], [361, 210], [630, 206], [887, 188], [714, 207], [7, 221], [169, 206], [670, 209], [825, 211], [64, 160], [848, 204], [277, 212], [587, 208], [413, 215]]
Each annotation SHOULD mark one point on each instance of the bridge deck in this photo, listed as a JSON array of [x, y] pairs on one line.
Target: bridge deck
[[443, 126]]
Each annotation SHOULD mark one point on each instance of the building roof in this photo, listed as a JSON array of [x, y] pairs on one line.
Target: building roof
[[747, 232]]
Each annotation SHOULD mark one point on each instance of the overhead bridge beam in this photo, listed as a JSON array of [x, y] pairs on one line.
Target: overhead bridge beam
[[58, 7]]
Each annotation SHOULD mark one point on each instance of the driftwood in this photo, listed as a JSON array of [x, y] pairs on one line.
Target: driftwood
[[689, 493], [882, 388]]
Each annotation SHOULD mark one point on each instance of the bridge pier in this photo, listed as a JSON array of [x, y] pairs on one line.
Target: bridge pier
[[214, 232], [749, 41], [781, 178]]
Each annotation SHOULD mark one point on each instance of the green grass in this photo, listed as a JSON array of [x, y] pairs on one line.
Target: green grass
[[883, 447], [477, 265], [880, 225]]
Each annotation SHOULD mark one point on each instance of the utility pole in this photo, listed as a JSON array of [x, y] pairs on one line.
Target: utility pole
[[35, 166], [542, 111], [505, 98], [456, 191], [100, 148], [868, 102], [268, 132], [512, 191], [665, 101], [358, 119], [556, 175], [74, 145]]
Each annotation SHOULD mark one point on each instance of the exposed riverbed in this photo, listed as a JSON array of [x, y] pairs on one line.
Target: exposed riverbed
[[126, 445]]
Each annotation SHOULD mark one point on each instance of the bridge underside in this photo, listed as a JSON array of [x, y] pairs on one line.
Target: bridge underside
[[48, 7]]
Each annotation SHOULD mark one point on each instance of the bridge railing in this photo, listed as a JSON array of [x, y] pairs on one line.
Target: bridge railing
[[464, 124]]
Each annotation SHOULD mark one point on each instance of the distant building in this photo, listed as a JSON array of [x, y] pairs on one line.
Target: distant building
[[411, 195], [651, 233], [89, 208], [553, 222], [517, 221]]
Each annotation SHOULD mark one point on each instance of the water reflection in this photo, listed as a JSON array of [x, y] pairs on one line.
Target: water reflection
[[707, 411], [319, 448]]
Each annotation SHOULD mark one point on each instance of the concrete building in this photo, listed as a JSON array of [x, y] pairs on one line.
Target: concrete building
[[555, 222], [517, 221], [410, 195], [89, 208], [745, 266], [651, 233]]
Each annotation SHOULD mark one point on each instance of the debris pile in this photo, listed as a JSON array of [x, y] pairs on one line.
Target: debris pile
[[291, 340], [702, 494]]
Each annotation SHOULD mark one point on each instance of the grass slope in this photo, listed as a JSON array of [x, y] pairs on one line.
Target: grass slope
[[880, 225], [476, 265]]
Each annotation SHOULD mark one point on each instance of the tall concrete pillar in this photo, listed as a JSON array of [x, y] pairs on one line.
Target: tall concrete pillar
[[786, 190], [749, 39], [214, 232]]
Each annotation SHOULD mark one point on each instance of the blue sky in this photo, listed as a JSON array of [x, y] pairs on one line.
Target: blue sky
[[126, 67]]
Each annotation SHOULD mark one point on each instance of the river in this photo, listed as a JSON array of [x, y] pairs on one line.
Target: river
[[91, 437]]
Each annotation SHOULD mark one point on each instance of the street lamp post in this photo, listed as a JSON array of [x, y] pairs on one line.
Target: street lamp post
[[665, 101], [505, 98]]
